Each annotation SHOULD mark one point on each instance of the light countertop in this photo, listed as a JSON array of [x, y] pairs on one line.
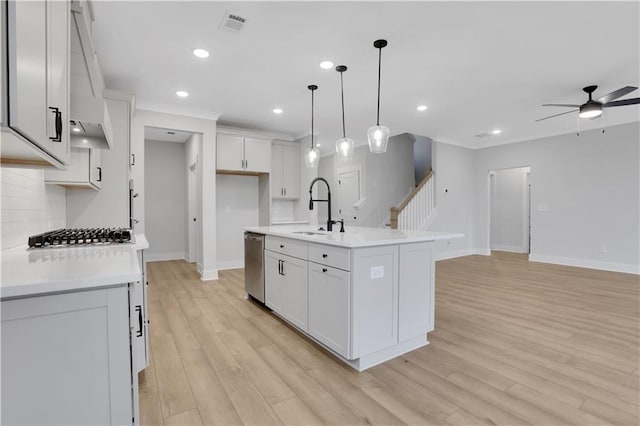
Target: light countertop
[[354, 236], [28, 272]]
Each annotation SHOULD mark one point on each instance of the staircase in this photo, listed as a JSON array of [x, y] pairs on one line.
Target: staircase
[[418, 209]]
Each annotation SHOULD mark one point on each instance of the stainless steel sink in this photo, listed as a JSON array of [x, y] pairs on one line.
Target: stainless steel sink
[[308, 233]]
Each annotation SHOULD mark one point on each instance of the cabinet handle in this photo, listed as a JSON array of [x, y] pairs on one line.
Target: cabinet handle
[[246, 164], [282, 267], [324, 255], [139, 311], [324, 269], [99, 174], [281, 245], [133, 159], [58, 136], [285, 192], [281, 191]]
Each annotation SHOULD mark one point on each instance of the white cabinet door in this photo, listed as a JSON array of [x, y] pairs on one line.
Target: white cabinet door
[[95, 167], [291, 172], [329, 307], [257, 155], [273, 283], [58, 15], [416, 292], [137, 326], [296, 305], [277, 178], [230, 152], [27, 64], [66, 359], [375, 288]]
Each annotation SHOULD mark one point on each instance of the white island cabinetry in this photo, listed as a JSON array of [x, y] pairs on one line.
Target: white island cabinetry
[[368, 294]]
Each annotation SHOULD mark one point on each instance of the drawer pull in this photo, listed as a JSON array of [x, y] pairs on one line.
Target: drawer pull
[[324, 255], [324, 269]]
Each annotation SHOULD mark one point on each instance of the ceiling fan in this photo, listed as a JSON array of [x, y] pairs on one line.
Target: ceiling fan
[[593, 109]]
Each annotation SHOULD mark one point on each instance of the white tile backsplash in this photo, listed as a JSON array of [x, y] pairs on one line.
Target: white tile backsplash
[[282, 210], [28, 206]]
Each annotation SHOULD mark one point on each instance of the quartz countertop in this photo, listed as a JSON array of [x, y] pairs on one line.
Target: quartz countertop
[[35, 271], [354, 236]]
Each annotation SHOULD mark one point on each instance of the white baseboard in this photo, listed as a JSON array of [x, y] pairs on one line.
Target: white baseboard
[[208, 275], [230, 264], [511, 249], [585, 263], [461, 253], [158, 257]]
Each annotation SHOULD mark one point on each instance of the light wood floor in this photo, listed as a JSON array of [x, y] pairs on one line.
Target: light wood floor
[[515, 343]]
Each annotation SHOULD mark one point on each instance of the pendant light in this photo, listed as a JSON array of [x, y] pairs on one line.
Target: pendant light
[[344, 145], [378, 135], [311, 155]]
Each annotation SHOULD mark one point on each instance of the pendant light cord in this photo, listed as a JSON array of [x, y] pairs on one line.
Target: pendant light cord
[[379, 72], [344, 133], [311, 118]]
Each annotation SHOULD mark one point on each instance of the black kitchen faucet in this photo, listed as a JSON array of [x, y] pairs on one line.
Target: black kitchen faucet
[[328, 201]]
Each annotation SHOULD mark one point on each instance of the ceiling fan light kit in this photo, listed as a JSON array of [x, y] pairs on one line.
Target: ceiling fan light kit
[[593, 108], [344, 145], [378, 136], [311, 155]]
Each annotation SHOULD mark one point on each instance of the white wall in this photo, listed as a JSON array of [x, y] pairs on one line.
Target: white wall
[[237, 206], [584, 195], [28, 206], [166, 200], [509, 210], [108, 207], [454, 168], [207, 259], [193, 155]]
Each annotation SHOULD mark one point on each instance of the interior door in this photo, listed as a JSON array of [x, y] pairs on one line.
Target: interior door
[[348, 195]]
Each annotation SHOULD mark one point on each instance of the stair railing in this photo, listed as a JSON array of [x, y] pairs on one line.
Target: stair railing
[[416, 209]]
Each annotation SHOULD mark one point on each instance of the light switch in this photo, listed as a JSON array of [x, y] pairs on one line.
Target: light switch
[[377, 272]]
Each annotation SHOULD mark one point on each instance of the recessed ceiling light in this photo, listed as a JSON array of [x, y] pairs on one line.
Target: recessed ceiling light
[[85, 141], [496, 131], [76, 129], [201, 53], [317, 144], [326, 65], [182, 93], [422, 108], [277, 110]]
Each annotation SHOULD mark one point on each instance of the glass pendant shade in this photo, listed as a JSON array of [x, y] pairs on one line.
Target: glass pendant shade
[[344, 148], [311, 157], [378, 139]]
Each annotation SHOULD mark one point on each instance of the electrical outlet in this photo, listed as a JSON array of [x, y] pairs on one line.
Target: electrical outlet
[[376, 272], [603, 248]]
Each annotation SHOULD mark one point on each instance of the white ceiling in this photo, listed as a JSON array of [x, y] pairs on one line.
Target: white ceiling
[[477, 65], [166, 135]]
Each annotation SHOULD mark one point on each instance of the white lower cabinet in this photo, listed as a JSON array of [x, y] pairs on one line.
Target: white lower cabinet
[[329, 307], [66, 359], [286, 293]]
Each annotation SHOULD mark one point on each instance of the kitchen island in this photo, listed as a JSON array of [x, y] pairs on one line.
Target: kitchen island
[[367, 295]]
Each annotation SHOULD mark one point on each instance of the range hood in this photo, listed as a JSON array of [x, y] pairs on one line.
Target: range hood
[[90, 123]]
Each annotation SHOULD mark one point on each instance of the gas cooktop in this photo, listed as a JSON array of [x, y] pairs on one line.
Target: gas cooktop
[[80, 236]]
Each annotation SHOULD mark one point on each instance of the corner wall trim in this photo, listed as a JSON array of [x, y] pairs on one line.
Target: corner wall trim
[[211, 274], [585, 263]]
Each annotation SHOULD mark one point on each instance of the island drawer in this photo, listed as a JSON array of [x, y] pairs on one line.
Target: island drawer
[[336, 257], [288, 246]]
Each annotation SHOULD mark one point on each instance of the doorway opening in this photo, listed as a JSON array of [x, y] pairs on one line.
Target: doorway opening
[[172, 187], [510, 210]]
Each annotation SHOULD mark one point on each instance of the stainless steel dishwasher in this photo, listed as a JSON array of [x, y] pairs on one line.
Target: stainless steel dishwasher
[[254, 265]]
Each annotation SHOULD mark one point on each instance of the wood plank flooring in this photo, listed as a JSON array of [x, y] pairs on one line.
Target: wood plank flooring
[[515, 343]]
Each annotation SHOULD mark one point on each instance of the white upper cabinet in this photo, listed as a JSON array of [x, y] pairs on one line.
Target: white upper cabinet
[[84, 170], [35, 101], [237, 153], [285, 171]]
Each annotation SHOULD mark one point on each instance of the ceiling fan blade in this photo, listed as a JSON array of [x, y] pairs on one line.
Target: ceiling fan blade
[[623, 102], [616, 94], [562, 113], [562, 105]]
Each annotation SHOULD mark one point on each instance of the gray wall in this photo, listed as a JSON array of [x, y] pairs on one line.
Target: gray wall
[[584, 195], [388, 178], [166, 200], [422, 153]]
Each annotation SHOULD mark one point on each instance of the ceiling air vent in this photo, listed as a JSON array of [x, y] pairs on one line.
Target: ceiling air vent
[[232, 22], [483, 135]]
